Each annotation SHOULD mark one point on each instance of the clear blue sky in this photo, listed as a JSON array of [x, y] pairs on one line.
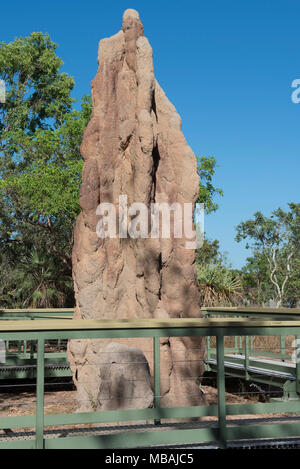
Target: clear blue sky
[[227, 66]]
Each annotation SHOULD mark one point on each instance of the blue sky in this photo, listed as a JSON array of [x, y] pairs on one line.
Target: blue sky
[[227, 66]]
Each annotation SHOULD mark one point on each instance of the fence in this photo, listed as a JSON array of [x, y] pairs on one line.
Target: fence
[[158, 430]]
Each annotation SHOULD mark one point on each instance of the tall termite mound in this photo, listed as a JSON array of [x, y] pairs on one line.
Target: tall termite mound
[[134, 146]]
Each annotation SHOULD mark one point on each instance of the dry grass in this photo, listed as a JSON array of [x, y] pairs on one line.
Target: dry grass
[[261, 343]]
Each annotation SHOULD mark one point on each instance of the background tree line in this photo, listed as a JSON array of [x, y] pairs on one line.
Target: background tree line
[[40, 171], [40, 174]]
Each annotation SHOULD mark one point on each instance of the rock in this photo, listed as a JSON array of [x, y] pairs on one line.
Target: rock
[[134, 146], [125, 378]]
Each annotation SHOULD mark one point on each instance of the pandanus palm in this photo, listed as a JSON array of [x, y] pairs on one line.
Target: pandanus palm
[[218, 285], [40, 282]]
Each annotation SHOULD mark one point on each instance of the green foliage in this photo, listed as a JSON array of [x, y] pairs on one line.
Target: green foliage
[[206, 170], [272, 273], [47, 187], [209, 253], [257, 288], [35, 90], [219, 285], [46, 191], [37, 282], [40, 170], [218, 276]]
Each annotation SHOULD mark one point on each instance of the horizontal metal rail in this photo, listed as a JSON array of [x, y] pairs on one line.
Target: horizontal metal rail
[[231, 325], [252, 312], [35, 313]]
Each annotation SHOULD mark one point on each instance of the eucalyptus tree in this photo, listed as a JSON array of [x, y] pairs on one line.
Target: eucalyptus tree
[[275, 242]]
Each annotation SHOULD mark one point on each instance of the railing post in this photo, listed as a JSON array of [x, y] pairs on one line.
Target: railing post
[[240, 343], [156, 364], [40, 394], [208, 347], [298, 364], [282, 347], [221, 391], [235, 344], [246, 357]]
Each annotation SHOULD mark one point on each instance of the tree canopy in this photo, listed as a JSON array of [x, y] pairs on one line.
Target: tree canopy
[[40, 172], [273, 270], [206, 166]]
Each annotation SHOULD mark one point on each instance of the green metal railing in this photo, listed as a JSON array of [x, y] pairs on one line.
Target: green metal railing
[[220, 431], [36, 313], [245, 347], [21, 358], [21, 355]]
